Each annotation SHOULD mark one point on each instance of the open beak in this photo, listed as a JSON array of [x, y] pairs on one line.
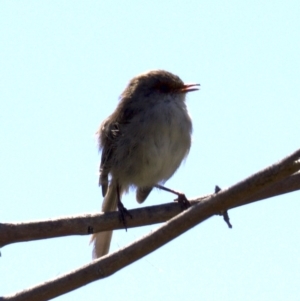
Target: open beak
[[189, 88]]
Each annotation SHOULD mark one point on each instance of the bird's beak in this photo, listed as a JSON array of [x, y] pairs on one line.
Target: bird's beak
[[189, 88]]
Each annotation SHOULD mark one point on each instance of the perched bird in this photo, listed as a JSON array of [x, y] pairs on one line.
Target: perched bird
[[143, 141]]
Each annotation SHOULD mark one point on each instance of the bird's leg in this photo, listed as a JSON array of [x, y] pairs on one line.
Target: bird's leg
[[181, 196], [122, 210]]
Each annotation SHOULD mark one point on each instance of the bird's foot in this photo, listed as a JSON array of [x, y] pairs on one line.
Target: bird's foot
[[183, 201], [181, 198], [122, 214]]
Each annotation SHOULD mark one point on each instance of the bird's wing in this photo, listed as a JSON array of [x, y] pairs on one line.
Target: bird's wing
[[110, 131], [107, 134]]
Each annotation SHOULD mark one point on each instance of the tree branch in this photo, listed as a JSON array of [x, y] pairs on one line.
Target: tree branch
[[84, 224], [213, 204]]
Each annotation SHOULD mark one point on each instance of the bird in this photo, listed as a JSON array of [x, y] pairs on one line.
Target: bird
[[143, 142]]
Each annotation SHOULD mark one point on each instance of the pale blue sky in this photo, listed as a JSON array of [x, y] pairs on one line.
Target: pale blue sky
[[63, 66]]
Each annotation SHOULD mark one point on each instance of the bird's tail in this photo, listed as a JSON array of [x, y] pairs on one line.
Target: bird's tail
[[101, 240]]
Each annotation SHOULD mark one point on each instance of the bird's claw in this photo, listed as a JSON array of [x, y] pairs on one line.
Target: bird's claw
[[122, 214], [183, 201]]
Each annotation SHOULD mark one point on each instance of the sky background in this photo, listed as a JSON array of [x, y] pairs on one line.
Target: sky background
[[63, 65]]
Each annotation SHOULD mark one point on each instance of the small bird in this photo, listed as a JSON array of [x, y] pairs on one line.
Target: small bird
[[143, 141]]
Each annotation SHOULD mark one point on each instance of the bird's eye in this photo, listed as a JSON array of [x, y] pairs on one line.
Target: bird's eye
[[164, 88]]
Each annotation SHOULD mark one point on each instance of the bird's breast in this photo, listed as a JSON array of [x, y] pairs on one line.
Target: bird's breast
[[154, 144]]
